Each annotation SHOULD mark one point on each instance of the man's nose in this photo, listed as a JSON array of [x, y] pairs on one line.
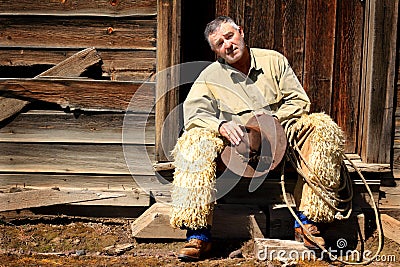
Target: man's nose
[[227, 43]]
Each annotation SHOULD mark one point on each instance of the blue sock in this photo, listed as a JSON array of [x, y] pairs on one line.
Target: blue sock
[[302, 218], [203, 234]]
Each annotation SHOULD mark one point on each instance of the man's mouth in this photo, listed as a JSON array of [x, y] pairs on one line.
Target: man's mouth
[[230, 52]]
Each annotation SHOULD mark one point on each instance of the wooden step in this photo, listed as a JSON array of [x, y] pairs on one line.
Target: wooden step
[[230, 221]]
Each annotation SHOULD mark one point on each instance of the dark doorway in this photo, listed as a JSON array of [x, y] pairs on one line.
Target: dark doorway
[[194, 47]]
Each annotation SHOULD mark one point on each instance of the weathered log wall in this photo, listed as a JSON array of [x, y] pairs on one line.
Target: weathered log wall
[[71, 135]]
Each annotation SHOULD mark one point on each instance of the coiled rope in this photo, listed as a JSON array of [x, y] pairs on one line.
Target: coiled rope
[[291, 157]]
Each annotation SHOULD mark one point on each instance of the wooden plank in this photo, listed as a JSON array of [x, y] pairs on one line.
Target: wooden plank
[[56, 32], [320, 40], [362, 166], [258, 22], [232, 221], [84, 94], [236, 10], [154, 223], [390, 198], [378, 80], [125, 183], [113, 60], [257, 226], [294, 13], [39, 198], [368, 167], [232, 8], [221, 8], [396, 145], [347, 79], [167, 90], [75, 65], [228, 222], [78, 159], [391, 228], [136, 198], [10, 106], [113, 8], [117, 64], [280, 221], [41, 126]]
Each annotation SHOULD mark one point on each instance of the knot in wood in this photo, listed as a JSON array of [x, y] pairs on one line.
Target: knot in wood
[[110, 30]]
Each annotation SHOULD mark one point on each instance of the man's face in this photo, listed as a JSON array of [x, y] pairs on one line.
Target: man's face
[[228, 43]]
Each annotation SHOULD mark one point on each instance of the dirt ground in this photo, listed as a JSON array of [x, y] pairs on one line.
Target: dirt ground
[[77, 241]]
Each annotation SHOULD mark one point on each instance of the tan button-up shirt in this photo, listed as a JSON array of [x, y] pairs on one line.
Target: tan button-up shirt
[[221, 93]]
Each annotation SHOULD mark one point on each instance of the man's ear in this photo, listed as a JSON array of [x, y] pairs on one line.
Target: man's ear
[[241, 31]]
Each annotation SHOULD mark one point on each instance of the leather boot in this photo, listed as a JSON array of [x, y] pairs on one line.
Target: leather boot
[[194, 250], [301, 236]]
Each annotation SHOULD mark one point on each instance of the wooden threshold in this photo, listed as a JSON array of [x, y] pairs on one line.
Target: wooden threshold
[[356, 159], [40, 198]]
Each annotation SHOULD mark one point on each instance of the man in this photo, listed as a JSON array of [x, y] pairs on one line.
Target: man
[[242, 82]]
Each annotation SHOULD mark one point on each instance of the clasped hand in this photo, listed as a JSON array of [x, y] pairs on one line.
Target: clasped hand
[[231, 131]]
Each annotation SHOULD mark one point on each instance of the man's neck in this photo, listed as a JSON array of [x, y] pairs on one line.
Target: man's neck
[[244, 63]]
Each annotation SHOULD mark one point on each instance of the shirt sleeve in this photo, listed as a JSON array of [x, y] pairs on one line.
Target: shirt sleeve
[[200, 109], [295, 101]]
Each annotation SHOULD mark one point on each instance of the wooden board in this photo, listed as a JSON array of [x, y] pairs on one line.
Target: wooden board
[[391, 228], [257, 225], [84, 94], [368, 167], [347, 72], [396, 146], [320, 40], [168, 76], [117, 64], [56, 32], [114, 8], [154, 223], [390, 198], [42, 126], [39, 198], [10, 107], [75, 65], [73, 158], [294, 12], [378, 73], [230, 221], [232, 8], [259, 23], [136, 198], [125, 183]]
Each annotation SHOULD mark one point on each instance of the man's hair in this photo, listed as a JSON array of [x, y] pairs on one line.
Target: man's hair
[[214, 25]]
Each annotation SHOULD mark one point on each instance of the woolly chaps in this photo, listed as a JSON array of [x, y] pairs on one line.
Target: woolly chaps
[[193, 192], [324, 145]]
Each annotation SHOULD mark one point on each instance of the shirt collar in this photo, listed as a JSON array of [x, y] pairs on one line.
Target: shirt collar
[[253, 71], [253, 62]]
